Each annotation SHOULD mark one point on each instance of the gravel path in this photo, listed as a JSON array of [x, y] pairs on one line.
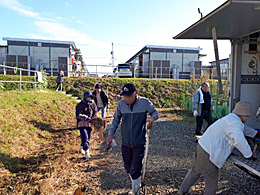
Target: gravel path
[[172, 147], [59, 169]]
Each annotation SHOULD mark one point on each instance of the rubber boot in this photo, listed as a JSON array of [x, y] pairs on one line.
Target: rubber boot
[[131, 191], [136, 183]]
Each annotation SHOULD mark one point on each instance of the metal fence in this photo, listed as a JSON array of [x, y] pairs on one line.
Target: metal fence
[[156, 70], [174, 72], [52, 69], [7, 70]]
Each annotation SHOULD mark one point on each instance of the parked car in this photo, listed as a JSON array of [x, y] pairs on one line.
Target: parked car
[[123, 70]]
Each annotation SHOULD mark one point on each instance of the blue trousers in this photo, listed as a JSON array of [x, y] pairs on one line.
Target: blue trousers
[[103, 111], [133, 157], [85, 134]]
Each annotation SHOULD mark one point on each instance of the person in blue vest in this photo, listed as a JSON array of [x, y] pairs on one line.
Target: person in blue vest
[[132, 109]]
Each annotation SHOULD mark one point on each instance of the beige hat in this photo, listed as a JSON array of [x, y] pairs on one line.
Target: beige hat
[[243, 109]]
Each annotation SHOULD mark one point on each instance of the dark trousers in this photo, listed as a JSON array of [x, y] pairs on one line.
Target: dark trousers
[[85, 134], [133, 157], [59, 86], [205, 114]]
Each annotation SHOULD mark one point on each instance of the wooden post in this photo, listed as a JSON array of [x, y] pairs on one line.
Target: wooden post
[[214, 35]]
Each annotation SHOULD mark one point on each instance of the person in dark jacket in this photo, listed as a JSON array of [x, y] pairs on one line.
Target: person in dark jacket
[[101, 100], [85, 110], [133, 111], [202, 107], [59, 80]]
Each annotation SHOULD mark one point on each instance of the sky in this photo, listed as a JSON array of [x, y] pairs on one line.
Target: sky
[[94, 24]]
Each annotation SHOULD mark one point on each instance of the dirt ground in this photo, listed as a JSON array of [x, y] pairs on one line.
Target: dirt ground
[[58, 168]]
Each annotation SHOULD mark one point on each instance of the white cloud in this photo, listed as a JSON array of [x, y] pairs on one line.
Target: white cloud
[[53, 30], [59, 18], [80, 22], [21, 9], [92, 47], [58, 31]]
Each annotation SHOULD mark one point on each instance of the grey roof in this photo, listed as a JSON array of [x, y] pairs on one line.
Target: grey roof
[[221, 60], [233, 19], [37, 40]]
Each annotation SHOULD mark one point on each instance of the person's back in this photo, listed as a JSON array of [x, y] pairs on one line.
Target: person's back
[[217, 130], [216, 144], [222, 136]]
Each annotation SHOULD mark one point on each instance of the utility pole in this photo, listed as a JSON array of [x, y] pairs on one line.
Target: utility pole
[[112, 53]]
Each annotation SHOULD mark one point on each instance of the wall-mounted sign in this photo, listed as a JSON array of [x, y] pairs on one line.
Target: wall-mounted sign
[[39, 44], [250, 79]]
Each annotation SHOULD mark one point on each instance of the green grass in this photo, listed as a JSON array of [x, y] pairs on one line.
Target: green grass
[[28, 118], [164, 93]]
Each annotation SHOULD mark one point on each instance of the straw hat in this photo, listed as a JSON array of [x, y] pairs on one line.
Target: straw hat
[[243, 109]]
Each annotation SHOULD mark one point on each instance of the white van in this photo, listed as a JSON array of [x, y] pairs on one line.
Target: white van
[[123, 70]]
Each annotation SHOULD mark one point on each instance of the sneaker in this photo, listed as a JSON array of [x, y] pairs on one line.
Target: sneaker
[[81, 150], [87, 153]]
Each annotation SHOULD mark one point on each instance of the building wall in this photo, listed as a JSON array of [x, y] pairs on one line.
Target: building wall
[[42, 56], [250, 91], [176, 58], [17, 50], [3, 52], [39, 56], [179, 61], [224, 68]]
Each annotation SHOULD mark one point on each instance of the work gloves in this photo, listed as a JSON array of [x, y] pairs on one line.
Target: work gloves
[[84, 117], [195, 113]]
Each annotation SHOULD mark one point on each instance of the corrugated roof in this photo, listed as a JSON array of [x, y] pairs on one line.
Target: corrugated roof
[[37, 40], [161, 47], [233, 19]]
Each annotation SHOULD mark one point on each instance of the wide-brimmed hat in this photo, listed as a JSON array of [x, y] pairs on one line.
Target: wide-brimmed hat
[[243, 109]]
